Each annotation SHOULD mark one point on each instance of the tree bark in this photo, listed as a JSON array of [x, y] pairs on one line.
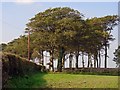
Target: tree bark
[[77, 56], [91, 65], [61, 53], [94, 61], [63, 64], [83, 59], [99, 58], [88, 60], [70, 60], [51, 60], [42, 58], [105, 54]]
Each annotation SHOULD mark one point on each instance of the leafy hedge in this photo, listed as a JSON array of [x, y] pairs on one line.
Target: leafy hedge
[[13, 65], [95, 71]]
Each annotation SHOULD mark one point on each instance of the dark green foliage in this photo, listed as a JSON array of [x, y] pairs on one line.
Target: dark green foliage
[[27, 81], [93, 71], [18, 46], [13, 65], [65, 27], [2, 46], [55, 28], [117, 56]]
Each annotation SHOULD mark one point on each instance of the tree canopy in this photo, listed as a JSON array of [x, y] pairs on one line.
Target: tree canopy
[[62, 31]]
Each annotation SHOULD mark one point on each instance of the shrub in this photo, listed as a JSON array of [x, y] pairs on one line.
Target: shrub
[[95, 71]]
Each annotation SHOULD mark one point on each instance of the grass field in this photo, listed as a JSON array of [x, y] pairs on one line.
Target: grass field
[[42, 80]]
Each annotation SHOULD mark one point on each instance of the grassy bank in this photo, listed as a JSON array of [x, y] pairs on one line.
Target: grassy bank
[[60, 80], [15, 66]]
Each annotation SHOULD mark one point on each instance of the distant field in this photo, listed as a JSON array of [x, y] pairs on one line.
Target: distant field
[[64, 81]]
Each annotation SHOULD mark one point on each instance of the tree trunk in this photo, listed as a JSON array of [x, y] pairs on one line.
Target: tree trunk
[[70, 60], [91, 65], [63, 64], [42, 58], [99, 59], [105, 54], [88, 60], [61, 53], [83, 59], [77, 56], [51, 60], [94, 61]]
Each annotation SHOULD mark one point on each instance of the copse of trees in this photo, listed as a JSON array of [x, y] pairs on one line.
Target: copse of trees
[[18, 46], [64, 31]]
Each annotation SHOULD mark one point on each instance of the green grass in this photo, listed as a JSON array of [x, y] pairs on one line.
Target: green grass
[[60, 80]]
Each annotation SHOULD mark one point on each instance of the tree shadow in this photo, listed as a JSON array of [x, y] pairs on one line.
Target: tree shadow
[[30, 81], [18, 73]]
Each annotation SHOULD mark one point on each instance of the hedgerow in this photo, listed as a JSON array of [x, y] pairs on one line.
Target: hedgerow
[[13, 65]]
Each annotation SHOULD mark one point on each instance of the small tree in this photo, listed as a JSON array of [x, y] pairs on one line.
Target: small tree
[[117, 56]]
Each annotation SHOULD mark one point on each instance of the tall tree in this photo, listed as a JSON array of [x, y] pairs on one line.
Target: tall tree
[[103, 35], [61, 24], [108, 23]]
